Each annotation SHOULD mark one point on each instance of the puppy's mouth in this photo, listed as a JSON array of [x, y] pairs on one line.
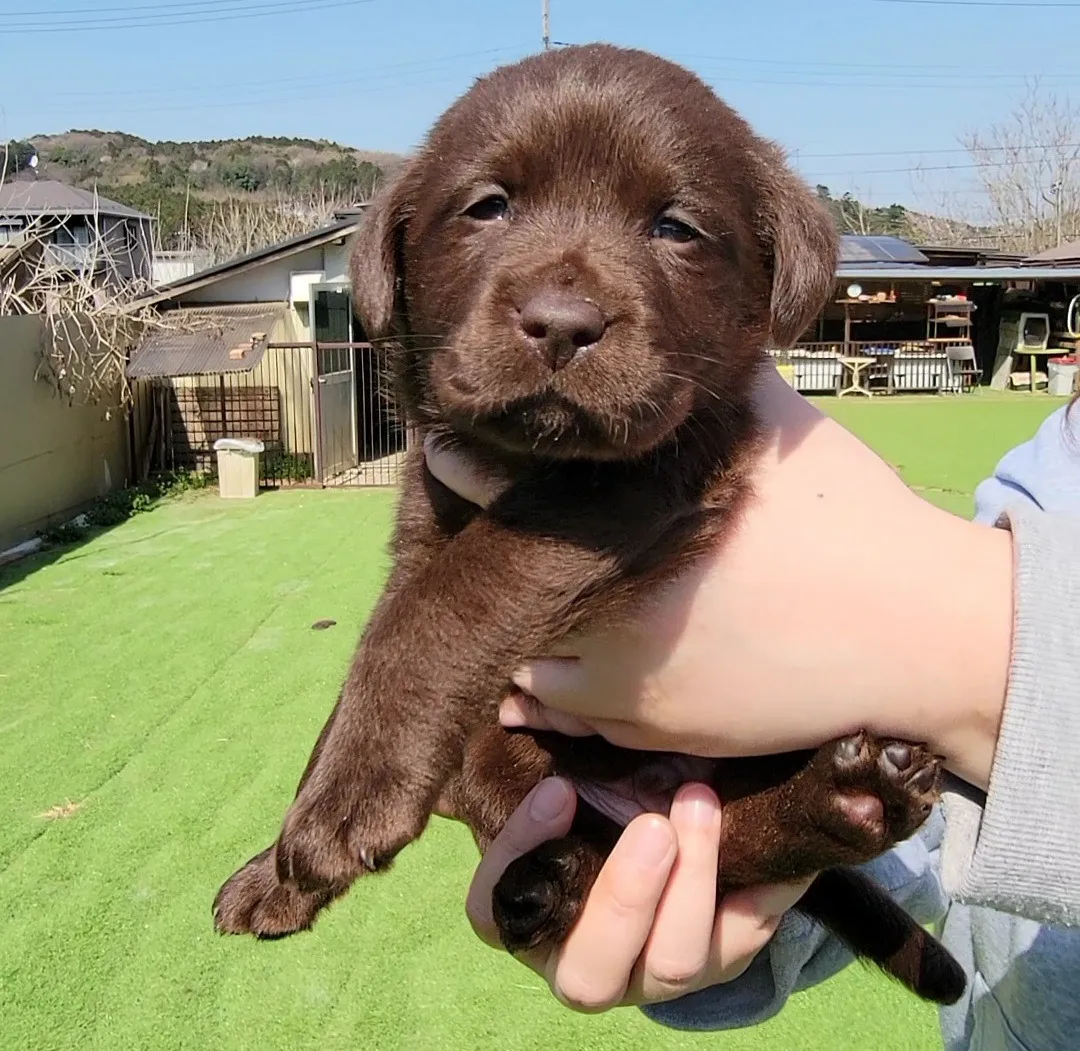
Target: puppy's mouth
[[551, 425]]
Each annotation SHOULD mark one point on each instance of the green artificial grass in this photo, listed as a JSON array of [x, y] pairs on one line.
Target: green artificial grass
[[160, 689], [944, 446]]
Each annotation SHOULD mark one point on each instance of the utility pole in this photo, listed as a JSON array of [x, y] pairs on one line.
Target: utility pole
[[547, 24]]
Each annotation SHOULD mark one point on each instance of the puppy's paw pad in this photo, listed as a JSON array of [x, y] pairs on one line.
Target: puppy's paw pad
[[862, 811], [852, 753], [540, 895]]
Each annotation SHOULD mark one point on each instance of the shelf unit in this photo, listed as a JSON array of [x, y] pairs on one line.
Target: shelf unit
[[949, 320]]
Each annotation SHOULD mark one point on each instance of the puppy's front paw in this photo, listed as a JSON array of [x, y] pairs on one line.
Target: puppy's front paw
[[255, 901], [330, 838]]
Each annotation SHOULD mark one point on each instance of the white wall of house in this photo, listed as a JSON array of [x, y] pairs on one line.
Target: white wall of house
[[271, 283], [267, 283], [337, 261]]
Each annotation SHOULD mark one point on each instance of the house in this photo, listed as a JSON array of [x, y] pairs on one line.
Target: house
[[78, 232], [267, 346], [908, 318]]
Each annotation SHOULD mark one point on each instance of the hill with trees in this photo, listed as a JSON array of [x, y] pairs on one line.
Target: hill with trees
[[186, 184]]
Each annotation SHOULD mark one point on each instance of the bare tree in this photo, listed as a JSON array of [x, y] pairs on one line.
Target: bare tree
[[947, 218], [238, 226], [855, 217], [1025, 195], [93, 319], [1028, 168]]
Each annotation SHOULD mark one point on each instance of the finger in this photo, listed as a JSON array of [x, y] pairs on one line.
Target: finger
[[592, 970], [519, 709], [745, 923], [459, 473], [677, 951], [556, 682], [545, 813]]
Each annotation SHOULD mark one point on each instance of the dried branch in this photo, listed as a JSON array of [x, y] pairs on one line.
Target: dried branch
[[237, 226], [1028, 168], [88, 299]]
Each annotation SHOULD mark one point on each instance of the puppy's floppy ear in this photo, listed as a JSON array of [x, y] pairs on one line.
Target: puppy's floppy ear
[[800, 235], [375, 266]]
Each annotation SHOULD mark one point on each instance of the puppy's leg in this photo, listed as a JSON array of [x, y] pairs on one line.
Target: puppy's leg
[[875, 928], [785, 817], [439, 649], [499, 770], [855, 799], [256, 899]]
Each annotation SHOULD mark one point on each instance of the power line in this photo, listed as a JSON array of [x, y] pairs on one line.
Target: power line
[[832, 66], [972, 166], [982, 3], [128, 9], [388, 78], [313, 80], [150, 21], [955, 149], [849, 84]]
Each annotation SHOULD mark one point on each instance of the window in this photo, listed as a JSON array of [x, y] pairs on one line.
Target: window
[[72, 232]]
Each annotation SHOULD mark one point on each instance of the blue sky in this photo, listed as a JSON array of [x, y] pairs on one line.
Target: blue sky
[[860, 91]]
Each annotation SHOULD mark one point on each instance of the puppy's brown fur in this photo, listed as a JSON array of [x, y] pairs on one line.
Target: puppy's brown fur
[[581, 268]]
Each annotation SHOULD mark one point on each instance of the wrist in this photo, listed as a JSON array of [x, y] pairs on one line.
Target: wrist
[[960, 645]]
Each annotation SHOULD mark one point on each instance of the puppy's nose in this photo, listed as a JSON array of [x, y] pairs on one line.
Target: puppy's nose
[[560, 324]]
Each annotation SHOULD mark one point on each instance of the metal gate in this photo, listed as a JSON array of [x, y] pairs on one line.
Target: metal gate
[[335, 379]]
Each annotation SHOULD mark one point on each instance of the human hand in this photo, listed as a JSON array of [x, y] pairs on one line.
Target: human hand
[[827, 611], [651, 929]]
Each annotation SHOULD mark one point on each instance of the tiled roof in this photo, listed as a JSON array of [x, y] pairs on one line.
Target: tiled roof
[[47, 196]]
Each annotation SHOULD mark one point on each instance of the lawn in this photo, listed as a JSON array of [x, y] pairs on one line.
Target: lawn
[[160, 688]]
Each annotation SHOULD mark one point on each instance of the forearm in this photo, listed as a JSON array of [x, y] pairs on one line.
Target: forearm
[[1021, 854]]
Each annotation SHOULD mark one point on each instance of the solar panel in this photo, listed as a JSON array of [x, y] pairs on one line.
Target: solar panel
[[863, 249]]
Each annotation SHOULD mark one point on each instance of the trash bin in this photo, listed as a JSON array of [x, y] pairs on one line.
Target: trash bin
[[238, 467], [1061, 375]]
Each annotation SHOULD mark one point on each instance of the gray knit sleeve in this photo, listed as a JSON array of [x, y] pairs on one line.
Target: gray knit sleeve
[[1019, 851]]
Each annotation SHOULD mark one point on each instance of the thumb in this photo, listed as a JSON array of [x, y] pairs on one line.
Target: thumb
[[523, 710], [545, 813]]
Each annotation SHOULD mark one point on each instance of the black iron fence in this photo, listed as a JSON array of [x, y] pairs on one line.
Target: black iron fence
[[324, 412]]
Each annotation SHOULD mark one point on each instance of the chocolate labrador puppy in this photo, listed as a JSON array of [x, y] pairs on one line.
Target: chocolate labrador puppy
[[580, 271]]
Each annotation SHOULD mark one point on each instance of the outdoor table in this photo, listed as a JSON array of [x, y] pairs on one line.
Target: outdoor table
[[856, 367], [1033, 355]]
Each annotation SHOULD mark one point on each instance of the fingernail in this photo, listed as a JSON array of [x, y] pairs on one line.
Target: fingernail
[[549, 800], [522, 679], [697, 805], [652, 844]]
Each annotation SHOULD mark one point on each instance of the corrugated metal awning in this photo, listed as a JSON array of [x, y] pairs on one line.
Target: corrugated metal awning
[[959, 273], [198, 341]]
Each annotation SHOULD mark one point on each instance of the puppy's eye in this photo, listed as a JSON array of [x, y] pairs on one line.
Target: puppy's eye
[[490, 209], [667, 228]]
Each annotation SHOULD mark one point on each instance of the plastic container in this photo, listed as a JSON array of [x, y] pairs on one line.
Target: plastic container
[[238, 467], [1061, 375]]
